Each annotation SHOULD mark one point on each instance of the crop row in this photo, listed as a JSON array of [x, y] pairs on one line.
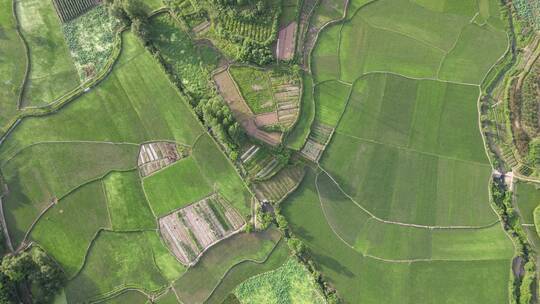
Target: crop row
[[71, 9], [253, 31]]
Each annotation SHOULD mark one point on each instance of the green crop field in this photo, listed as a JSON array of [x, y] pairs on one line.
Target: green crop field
[[127, 205], [52, 72], [527, 198], [255, 86], [176, 186], [247, 269], [291, 283], [121, 260], [358, 277], [403, 193], [12, 64], [67, 228], [45, 172]]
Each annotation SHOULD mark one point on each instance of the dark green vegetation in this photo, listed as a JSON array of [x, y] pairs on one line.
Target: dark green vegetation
[[523, 281], [29, 277], [91, 40], [189, 66], [250, 25], [291, 283]]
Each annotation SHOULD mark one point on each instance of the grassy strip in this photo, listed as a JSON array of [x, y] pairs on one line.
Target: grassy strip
[[300, 132]]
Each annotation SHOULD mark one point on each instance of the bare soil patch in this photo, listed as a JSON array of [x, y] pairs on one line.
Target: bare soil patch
[[190, 231], [156, 156], [286, 42], [241, 110], [266, 119]]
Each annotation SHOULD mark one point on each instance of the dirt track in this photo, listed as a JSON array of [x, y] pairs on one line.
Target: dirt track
[[286, 42]]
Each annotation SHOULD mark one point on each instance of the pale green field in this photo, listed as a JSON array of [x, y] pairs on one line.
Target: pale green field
[[44, 172], [126, 202], [12, 64], [120, 260], [66, 230], [52, 72], [176, 186], [365, 279]]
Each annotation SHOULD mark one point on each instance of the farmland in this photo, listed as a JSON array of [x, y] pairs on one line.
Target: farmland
[[272, 151]]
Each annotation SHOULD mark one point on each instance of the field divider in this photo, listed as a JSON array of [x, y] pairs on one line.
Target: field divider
[[17, 152], [69, 192], [412, 150], [425, 43], [376, 72], [430, 227], [26, 54], [367, 255]]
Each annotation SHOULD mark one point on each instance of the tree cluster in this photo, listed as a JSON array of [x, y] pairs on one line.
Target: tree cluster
[[254, 52], [245, 10], [30, 277]]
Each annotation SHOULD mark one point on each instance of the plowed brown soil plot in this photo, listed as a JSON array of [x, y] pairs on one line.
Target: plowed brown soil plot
[[156, 156], [191, 230], [286, 42], [240, 109], [266, 119]]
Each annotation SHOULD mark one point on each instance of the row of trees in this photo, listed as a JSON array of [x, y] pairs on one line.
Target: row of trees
[[522, 285], [207, 103], [30, 277]]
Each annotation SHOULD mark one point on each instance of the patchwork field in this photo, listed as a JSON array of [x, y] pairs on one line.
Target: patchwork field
[[364, 134], [75, 189], [247, 269], [193, 229]]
